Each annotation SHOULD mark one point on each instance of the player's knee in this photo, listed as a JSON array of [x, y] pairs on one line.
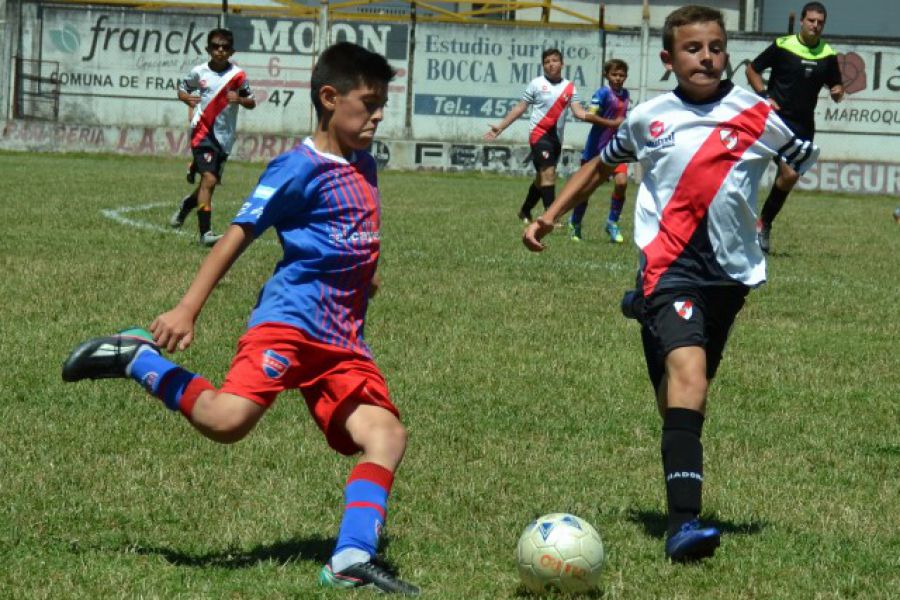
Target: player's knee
[[386, 436], [225, 421]]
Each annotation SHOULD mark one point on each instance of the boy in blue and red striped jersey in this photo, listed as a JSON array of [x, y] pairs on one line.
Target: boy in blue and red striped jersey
[[306, 331], [214, 90], [610, 104], [703, 148]]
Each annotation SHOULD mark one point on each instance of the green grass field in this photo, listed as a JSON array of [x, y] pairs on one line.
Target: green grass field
[[523, 388]]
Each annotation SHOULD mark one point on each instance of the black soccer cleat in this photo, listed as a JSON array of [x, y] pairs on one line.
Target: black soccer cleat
[[106, 357], [366, 574]]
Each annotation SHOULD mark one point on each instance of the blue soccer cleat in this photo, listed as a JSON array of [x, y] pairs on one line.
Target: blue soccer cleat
[[692, 542], [106, 357]]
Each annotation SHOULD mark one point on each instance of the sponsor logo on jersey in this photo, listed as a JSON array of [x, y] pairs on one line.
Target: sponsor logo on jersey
[[684, 309], [263, 192], [729, 138], [657, 128], [273, 364]]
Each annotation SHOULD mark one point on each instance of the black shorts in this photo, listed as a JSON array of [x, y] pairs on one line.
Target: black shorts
[[209, 160], [546, 152], [676, 318]]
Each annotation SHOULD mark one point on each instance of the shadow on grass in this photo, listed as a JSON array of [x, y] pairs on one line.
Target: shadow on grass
[[655, 523], [314, 549], [524, 592]]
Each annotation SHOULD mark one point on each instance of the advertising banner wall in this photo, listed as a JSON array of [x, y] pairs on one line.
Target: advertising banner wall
[[118, 71]]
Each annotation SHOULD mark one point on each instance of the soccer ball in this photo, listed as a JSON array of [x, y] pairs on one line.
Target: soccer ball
[[560, 552]]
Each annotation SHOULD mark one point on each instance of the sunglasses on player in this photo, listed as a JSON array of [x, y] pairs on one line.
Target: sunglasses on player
[[225, 47]]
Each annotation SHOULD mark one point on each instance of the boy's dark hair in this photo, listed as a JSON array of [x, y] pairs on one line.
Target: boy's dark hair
[[346, 66], [220, 32], [549, 52], [615, 63], [688, 15], [815, 7]]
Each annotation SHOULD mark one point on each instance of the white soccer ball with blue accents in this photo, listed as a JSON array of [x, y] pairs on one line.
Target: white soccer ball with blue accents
[[560, 552]]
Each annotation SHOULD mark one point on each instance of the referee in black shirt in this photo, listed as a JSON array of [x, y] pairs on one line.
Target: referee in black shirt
[[800, 66]]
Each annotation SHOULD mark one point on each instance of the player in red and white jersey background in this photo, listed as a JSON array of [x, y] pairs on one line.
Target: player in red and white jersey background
[[703, 148], [222, 87], [550, 97]]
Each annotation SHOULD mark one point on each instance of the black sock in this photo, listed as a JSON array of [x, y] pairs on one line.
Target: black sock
[[682, 456], [773, 205], [531, 200], [548, 195], [188, 203], [204, 220]]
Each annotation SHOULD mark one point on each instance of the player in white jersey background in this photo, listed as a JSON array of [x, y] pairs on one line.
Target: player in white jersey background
[[703, 148], [214, 89], [550, 97]]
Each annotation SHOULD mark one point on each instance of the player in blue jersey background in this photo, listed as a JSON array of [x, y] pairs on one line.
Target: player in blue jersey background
[[610, 104], [306, 330]]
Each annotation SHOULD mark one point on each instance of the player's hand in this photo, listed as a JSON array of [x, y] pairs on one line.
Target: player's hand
[[232, 97], [173, 330], [192, 101], [535, 232], [773, 104], [492, 133]]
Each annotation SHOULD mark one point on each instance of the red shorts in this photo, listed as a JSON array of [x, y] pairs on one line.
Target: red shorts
[[273, 357]]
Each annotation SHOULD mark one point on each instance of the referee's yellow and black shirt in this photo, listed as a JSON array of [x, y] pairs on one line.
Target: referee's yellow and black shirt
[[798, 73]]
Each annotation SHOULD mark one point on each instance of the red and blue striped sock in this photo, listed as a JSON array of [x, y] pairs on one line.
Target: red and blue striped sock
[[365, 510], [615, 207], [177, 387]]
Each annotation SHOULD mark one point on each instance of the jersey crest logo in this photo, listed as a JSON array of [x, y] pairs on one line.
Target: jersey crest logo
[[684, 309], [657, 128], [729, 138], [273, 364]]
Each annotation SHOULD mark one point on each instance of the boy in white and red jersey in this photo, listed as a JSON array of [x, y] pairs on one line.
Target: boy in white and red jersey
[[703, 148], [222, 87], [550, 97], [306, 331]]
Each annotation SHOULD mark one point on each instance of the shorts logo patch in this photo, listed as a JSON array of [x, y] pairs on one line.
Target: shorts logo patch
[[545, 154], [274, 365], [208, 157], [684, 309]]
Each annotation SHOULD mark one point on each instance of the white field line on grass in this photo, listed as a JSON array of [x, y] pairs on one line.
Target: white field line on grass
[[118, 215]]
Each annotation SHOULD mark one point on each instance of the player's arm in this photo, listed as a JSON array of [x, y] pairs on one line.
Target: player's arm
[[590, 174], [514, 113], [189, 99], [174, 330], [246, 100]]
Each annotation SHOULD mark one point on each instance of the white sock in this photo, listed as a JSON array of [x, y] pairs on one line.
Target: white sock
[[348, 557]]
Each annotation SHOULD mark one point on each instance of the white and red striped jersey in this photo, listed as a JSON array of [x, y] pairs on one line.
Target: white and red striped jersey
[[549, 102], [695, 219], [215, 119]]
